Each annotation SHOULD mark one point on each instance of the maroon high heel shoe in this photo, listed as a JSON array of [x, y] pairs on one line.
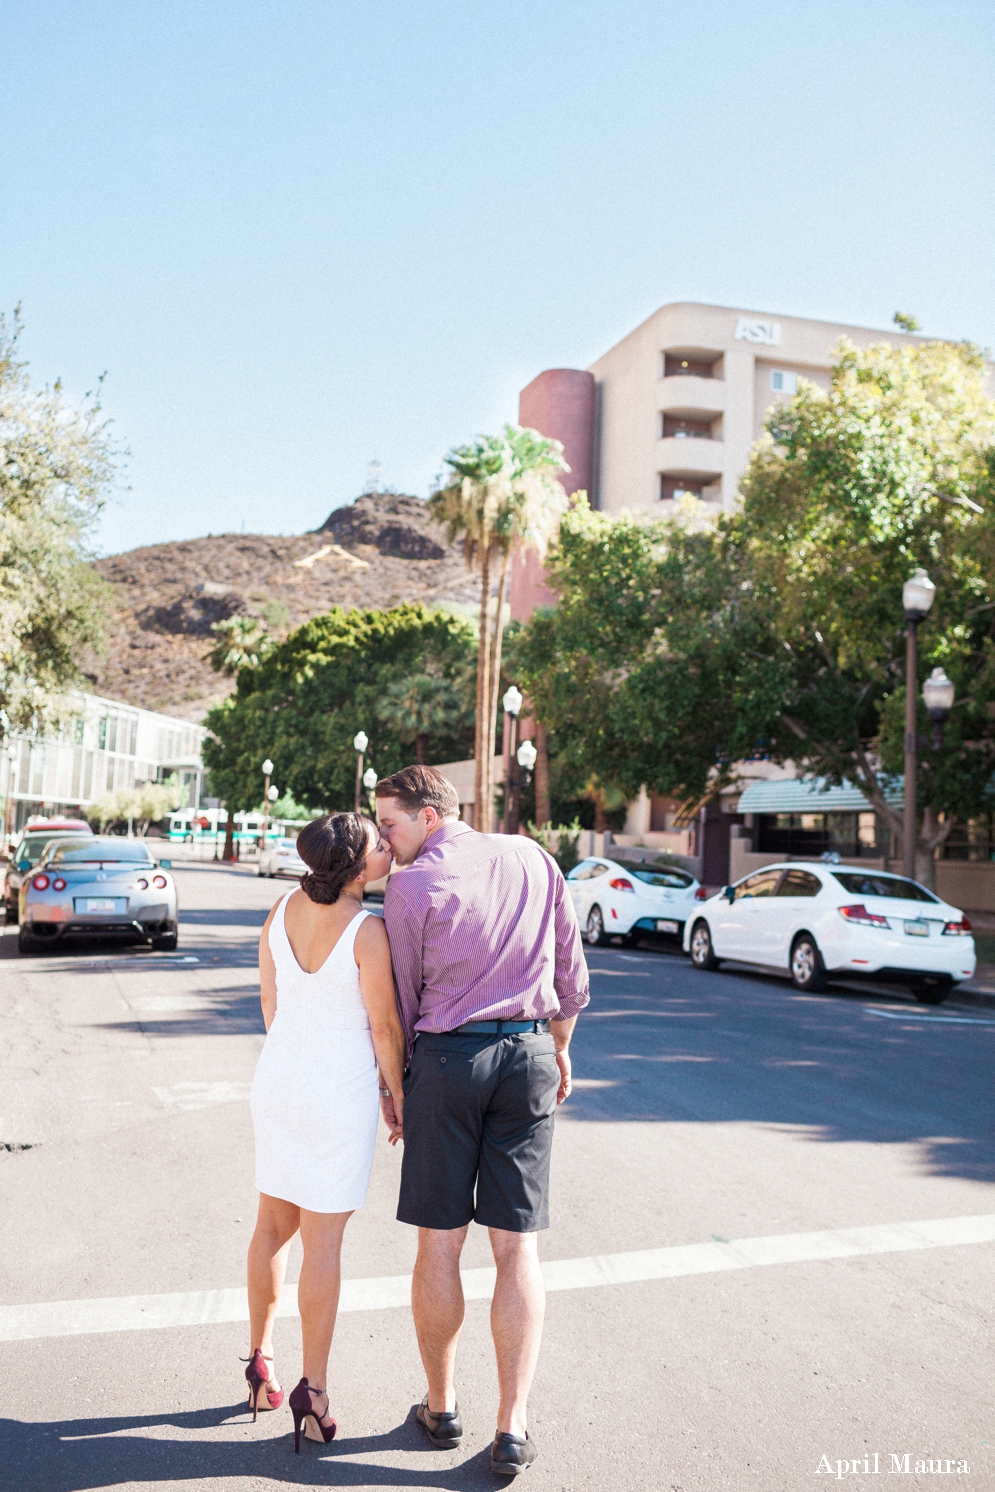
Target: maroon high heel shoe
[[304, 1413], [261, 1396]]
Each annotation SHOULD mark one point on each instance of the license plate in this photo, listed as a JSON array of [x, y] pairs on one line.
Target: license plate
[[101, 904], [917, 929], [670, 927]]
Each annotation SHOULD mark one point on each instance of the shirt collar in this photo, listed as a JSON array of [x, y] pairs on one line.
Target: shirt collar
[[442, 835]]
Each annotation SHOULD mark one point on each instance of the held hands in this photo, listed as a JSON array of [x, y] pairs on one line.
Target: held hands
[[391, 1108], [563, 1063]]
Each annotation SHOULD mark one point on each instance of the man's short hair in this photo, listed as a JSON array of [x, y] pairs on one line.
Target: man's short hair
[[421, 787]]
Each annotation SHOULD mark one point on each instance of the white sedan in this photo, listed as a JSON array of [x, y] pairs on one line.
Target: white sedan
[[631, 898], [281, 859], [818, 921]]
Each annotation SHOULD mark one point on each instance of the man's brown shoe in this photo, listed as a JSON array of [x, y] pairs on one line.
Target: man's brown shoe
[[511, 1454], [444, 1430]]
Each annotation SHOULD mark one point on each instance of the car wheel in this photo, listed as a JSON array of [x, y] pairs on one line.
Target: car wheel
[[808, 972], [931, 994], [26, 943], [702, 953], [595, 931], [166, 942]]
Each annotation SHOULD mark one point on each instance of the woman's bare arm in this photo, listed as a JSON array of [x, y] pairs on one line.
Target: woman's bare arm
[[267, 973], [376, 981]]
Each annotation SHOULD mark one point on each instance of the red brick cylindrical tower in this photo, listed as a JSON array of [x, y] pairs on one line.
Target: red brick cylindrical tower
[[559, 404]]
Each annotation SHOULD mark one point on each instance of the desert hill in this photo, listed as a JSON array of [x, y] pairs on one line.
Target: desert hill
[[378, 551]]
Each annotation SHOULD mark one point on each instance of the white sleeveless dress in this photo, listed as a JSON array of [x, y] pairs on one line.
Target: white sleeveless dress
[[314, 1099]]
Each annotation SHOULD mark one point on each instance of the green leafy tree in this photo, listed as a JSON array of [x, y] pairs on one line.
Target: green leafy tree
[[503, 493], [306, 700], [142, 805], [57, 461], [680, 648]]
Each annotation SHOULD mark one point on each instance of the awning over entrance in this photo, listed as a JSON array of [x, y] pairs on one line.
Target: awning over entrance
[[810, 795]]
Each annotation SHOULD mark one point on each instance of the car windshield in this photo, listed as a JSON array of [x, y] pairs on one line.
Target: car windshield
[[102, 851], [865, 883], [31, 847], [658, 875]]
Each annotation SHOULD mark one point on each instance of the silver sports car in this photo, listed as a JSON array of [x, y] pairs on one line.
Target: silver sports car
[[100, 884]]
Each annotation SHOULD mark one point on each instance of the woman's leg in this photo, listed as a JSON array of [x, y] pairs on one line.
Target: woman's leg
[[276, 1224], [318, 1290]]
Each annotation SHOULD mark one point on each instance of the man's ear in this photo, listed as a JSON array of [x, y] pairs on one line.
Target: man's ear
[[432, 819]]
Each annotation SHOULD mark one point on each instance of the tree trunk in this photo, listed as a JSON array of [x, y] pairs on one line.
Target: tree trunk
[[543, 811], [931, 835], [229, 849], [481, 772], [420, 740], [600, 819], [498, 639]]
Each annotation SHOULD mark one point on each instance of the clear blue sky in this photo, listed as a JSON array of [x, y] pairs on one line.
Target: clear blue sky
[[301, 233]]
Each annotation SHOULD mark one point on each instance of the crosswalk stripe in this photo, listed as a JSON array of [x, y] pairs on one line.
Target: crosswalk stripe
[[59, 1318]]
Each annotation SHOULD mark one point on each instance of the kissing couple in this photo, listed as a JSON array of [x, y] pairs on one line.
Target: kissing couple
[[458, 1007]]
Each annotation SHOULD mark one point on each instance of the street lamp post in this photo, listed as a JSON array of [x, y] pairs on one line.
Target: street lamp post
[[370, 780], [360, 742], [267, 774], [526, 756], [938, 694], [917, 598], [512, 702]]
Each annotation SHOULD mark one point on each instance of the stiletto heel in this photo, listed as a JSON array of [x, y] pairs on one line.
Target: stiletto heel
[[303, 1410], [258, 1376]]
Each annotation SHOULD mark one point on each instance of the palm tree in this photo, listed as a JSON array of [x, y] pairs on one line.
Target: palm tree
[[242, 642], [503, 493], [420, 707]]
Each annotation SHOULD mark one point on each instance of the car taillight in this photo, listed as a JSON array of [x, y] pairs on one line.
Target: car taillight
[[958, 929], [621, 884], [701, 894], [159, 881], [859, 913], [40, 883], [143, 884], [58, 884]]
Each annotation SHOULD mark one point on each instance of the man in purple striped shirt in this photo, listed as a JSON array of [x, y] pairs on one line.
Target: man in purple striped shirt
[[490, 977]]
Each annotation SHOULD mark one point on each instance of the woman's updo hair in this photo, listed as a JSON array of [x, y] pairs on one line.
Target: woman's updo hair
[[335, 848]]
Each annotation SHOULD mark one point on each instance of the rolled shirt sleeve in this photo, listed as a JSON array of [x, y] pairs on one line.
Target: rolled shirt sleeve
[[571, 980], [405, 933]]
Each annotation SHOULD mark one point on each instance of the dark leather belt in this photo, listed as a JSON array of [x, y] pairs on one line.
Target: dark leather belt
[[500, 1028]]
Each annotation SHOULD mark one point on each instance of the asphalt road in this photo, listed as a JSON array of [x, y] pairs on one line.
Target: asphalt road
[[709, 1108]]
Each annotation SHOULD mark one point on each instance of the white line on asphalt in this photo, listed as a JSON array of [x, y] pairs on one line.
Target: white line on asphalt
[[60, 1318], [930, 1020]]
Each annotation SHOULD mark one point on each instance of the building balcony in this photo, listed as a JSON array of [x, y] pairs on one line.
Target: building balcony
[[690, 457], [705, 397]]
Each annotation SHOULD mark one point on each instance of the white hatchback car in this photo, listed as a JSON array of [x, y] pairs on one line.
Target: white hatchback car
[[816, 920], [280, 858], [631, 898]]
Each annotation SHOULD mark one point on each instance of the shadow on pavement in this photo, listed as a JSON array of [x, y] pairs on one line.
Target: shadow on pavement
[[78, 1454], [664, 1043]]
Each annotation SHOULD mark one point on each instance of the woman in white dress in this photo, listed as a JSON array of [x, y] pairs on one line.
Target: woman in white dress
[[327, 992]]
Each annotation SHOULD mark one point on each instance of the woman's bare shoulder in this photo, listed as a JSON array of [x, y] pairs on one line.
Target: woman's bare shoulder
[[371, 938]]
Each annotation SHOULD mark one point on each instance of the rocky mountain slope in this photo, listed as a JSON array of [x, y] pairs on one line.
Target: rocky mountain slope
[[376, 552]]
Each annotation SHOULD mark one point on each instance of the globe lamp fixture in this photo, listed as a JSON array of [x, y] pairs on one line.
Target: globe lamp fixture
[[513, 700], [267, 768], [273, 794], [370, 779], [917, 596], [360, 741], [527, 755], [938, 693]]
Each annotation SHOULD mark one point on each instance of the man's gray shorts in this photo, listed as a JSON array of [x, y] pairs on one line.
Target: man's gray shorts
[[478, 1116]]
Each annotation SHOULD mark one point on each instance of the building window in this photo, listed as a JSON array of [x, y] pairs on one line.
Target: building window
[[783, 382], [672, 489], [677, 365], [676, 426]]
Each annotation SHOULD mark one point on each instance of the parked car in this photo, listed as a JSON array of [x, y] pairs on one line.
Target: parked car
[[631, 898], [102, 884], [818, 921], [281, 859], [26, 855]]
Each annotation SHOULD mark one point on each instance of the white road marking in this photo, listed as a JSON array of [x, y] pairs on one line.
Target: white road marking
[[59, 1318], [932, 1020]]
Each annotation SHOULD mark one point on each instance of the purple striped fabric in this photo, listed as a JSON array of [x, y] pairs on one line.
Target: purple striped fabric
[[480, 927]]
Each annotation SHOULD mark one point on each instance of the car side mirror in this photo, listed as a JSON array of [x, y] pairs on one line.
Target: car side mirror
[[729, 892], [166, 864]]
